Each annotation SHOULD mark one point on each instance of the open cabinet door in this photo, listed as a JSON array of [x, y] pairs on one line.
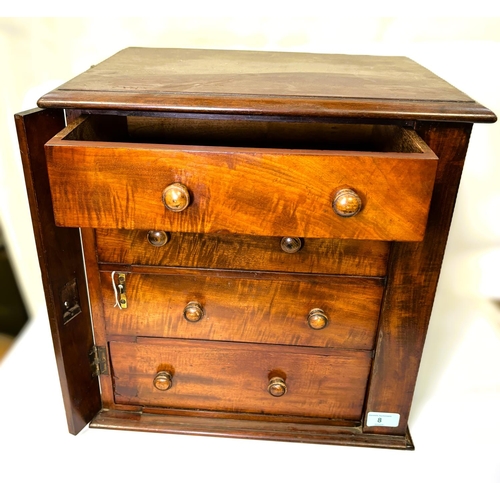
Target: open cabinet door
[[63, 275]]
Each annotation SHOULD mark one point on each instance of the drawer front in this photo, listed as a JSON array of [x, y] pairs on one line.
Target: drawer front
[[350, 257], [236, 377], [266, 192], [271, 309]]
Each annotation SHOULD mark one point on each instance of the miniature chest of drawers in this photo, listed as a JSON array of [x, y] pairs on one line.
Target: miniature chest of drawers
[[244, 244]]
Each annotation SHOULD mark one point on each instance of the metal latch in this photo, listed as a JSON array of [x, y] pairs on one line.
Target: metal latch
[[98, 361], [120, 290]]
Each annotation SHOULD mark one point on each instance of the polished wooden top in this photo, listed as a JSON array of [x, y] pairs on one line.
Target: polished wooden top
[[271, 83]]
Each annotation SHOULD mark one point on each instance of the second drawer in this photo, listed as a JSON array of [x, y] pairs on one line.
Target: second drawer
[[321, 311], [253, 253]]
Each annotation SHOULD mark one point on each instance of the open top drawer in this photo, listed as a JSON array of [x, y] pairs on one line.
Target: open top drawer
[[316, 180]]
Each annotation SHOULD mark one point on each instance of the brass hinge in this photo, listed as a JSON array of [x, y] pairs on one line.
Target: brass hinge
[[98, 361]]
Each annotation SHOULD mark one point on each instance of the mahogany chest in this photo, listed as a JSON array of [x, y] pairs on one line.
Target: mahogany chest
[[244, 244]]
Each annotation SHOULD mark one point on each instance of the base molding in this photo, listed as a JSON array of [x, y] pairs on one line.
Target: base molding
[[247, 429]]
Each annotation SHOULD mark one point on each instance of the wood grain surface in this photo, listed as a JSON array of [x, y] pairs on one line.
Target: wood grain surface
[[61, 261], [246, 82], [271, 192], [221, 251], [266, 308], [411, 287], [229, 377], [241, 426]]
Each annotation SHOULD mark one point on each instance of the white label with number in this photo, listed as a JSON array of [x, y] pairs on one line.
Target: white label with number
[[378, 419]]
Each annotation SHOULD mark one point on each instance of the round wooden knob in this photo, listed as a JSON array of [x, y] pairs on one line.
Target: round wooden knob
[[193, 312], [176, 197], [290, 244], [158, 238], [317, 319], [277, 387], [347, 203], [163, 380]]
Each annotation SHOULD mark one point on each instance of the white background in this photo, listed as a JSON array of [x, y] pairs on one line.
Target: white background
[[455, 415]]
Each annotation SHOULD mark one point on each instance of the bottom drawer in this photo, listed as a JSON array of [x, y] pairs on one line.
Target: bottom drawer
[[240, 377]]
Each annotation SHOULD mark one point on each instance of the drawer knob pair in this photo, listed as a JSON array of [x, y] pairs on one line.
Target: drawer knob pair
[[317, 318], [163, 382], [346, 203]]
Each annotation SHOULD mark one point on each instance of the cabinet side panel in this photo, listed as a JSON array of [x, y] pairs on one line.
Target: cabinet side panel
[[62, 271], [412, 280], [94, 290]]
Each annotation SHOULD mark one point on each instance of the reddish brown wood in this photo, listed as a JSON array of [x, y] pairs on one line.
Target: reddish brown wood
[[264, 132], [412, 280], [231, 426], [234, 377], [96, 307], [60, 256], [273, 309], [222, 251], [353, 109], [246, 82], [263, 142], [291, 419], [241, 190]]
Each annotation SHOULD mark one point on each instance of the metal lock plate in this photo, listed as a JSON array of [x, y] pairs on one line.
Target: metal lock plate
[[70, 301]]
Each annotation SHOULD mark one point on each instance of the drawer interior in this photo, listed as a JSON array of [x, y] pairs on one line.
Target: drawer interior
[[248, 133]]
